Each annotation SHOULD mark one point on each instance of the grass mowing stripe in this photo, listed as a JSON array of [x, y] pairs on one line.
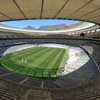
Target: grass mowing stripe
[[39, 69], [35, 59], [7, 60], [42, 58], [47, 64], [55, 60], [18, 54], [50, 58], [13, 63], [36, 51], [31, 54], [64, 59], [12, 58], [25, 52], [60, 58]]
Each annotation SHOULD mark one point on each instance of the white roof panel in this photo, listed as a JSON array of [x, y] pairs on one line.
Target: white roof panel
[[27, 9]]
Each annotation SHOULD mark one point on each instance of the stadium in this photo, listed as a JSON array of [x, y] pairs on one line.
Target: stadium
[[57, 62]]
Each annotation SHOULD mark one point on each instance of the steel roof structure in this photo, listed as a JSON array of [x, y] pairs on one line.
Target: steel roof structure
[[86, 10]]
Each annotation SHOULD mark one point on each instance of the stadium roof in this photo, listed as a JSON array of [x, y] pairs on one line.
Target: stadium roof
[[87, 10]]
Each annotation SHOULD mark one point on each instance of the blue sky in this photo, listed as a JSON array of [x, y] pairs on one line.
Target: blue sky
[[38, 22]]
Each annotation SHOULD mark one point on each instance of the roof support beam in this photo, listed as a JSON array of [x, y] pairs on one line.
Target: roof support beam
[[91, 12], [96, 17], [82, 7], [41, 9], [59, 11], [19, 8], [5, 15]]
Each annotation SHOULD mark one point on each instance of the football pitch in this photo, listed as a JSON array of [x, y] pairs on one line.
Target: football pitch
[[36, 61]]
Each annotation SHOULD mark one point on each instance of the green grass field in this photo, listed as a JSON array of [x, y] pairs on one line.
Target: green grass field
[[36, 61]]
